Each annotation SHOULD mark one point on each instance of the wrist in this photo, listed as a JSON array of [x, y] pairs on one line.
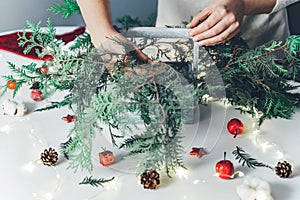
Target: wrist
[[99, 36]]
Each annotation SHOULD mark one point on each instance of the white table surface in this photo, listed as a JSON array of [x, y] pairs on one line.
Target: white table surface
[[22, 139]]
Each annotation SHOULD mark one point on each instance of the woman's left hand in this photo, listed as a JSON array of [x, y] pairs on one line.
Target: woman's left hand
[[217, 22]]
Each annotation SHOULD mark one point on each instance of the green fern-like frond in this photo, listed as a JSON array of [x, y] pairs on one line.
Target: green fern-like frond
[[67, 8], [127, 22], [245, 158], [95, 182], [67, 101], [63, 147], [82, 43]]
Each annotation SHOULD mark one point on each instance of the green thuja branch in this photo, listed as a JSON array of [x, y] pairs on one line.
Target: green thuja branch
[[106, 91], [63, 146], [67, 8], [256, 80], [245, 158], [82, 43], [67, 101], [95, 182], [127, 22]]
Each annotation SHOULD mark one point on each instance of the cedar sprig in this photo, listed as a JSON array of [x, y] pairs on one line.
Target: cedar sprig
[[245, 158], [67, 8], [95, 182], [67, 101], [63, 147]]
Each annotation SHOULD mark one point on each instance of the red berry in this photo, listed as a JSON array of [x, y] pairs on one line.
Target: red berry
[[235, 127], [11, 84], [36, 95], [44, 70], [225, 168]]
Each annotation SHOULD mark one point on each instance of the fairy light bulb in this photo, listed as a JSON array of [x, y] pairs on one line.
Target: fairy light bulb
[[112, 185], [182, 173], [279, 155], [5, 129], [29, 167], [48, 196], [265, 146]]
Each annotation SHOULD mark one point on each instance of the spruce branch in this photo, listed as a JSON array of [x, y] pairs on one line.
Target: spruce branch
[[95, 182], [245, 158]]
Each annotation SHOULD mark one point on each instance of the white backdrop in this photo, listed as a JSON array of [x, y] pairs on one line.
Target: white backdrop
[[14, 13]]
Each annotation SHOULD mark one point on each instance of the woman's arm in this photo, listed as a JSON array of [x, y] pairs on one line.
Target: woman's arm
[[97, 16], [283, 4], [221, 19]]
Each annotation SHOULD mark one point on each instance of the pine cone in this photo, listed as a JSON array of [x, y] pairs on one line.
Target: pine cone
[[283, 169], [49, 157], [150, 179]]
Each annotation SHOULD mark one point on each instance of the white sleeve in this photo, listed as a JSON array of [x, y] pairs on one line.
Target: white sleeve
[[280, 4]]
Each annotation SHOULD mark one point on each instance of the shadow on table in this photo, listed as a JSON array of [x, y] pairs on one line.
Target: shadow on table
[[296, 172], [281, 191]]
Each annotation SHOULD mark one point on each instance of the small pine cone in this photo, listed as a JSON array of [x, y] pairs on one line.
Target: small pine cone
[[283, 169], [49, 157], [150, 179]]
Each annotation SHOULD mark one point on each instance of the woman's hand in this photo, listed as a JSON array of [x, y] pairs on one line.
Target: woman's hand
[[217, 22], [117, 45]]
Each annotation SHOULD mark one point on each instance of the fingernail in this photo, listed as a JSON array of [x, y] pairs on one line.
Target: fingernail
[[195, 40], [191, 33]]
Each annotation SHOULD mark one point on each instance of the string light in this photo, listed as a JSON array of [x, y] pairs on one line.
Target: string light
[[5, 129], [112, 185], [29, 167], [182, 173], [265, 146], [279, 155], [48, 196]]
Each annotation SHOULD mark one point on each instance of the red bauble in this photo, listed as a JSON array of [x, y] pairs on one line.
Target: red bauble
[[36, 95], [225, 168], [235, 127]]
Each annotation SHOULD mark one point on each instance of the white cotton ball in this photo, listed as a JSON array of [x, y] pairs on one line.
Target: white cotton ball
[[13, 108], [21, 109], [254, 188]]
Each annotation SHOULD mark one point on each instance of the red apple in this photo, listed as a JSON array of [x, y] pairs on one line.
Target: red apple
[[225, 168], [235, 127]]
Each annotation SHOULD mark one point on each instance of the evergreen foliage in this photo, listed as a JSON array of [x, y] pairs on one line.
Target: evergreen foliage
[[95, 182], [67, 8], [245, 158], [104, 90]]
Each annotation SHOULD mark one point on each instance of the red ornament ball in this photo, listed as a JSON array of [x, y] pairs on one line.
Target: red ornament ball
[[36, 95], [235, 126], [225, 168]]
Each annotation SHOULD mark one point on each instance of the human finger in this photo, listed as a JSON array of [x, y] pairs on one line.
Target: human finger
[[226, 22], [211, 21], [198, 18], [226, 35]]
